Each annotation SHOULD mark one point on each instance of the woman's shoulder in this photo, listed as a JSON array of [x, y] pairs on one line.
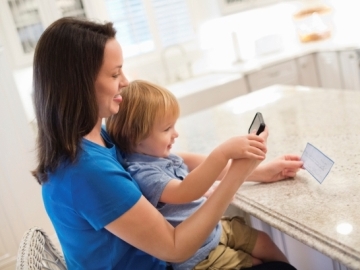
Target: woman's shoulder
[[92, 162]]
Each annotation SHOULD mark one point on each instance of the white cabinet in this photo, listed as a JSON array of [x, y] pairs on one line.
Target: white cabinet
[[22, 23], [296, 251], [349, 63], [283, 73], [308, 75], [329, 70]]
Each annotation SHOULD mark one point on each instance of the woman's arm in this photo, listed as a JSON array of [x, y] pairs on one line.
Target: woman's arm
[[145, 228], [277, 169], [200, 179]]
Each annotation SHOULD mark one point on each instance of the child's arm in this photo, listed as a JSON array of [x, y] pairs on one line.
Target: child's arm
[[201, 177], [157, 237], [192, 160]]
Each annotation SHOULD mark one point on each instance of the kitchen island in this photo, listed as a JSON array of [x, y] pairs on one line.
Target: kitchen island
[[325, 216]]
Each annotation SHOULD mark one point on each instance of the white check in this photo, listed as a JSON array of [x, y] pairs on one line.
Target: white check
[[316, 163]]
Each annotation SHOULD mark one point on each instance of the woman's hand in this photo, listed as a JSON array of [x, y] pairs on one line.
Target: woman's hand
[[278, 169], [249, 146]]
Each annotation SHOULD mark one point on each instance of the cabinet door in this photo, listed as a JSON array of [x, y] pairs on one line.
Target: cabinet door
[[349, 62], [329, 70], [283, 73], [296, 251], [22, 25], [23, 22], [307, 71]]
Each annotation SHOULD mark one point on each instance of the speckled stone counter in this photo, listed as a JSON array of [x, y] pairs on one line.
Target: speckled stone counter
[[323, 216]]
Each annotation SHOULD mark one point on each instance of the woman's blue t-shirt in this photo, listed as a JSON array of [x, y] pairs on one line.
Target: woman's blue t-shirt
[[82, 198]]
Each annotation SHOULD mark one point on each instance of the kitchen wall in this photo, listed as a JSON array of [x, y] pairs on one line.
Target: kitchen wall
[[212, 48], [20, 195], [147, 66], [214, 40], [223, 40]]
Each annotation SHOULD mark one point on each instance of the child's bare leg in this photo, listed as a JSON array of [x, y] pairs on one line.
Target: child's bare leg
[[265, 249], [256, 261]]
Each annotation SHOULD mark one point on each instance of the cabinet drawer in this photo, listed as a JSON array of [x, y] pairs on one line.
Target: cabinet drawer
[[284, 73]]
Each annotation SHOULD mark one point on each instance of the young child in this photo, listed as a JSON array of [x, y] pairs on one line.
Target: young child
[[144, 129]]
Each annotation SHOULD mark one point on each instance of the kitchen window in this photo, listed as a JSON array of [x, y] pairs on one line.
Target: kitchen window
[[143, 26], [148, 25]]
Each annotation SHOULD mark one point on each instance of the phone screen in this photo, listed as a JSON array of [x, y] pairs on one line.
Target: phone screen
[[257, 125]]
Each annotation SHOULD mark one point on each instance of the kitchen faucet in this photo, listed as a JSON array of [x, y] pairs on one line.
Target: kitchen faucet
[[168, 54]]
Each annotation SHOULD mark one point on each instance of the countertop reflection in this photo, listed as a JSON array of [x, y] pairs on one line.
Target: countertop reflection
[[323, 216]]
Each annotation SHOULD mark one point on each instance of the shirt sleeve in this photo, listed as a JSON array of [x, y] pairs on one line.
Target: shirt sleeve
[[151, 180]]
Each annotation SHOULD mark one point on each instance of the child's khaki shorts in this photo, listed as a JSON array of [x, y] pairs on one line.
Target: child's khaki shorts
[[236, 244]]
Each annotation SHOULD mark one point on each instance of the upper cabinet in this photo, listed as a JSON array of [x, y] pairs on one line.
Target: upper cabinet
[[27, 21], [22, 23], [73, 8]]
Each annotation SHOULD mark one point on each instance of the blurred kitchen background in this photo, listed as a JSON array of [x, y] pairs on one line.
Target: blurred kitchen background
[[205, 51], [168, 42]]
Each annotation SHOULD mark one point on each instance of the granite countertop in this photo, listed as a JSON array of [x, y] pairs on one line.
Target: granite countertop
[[315, 214]]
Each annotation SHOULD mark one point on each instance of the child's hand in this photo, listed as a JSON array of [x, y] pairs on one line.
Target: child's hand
[[248, 146]]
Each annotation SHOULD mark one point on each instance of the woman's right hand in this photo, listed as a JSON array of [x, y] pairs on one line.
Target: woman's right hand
[[249, 146]]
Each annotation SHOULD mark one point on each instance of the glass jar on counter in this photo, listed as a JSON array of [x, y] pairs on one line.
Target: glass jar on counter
[[313, 22]]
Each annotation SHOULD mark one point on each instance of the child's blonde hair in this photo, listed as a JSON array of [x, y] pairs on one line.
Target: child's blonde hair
[[143, 103]]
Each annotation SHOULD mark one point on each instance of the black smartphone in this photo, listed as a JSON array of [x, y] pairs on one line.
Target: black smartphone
[[258, 124]]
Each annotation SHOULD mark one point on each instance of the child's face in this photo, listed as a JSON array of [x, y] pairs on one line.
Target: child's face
[[162, 137]]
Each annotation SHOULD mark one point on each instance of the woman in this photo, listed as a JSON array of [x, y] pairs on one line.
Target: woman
[[99, 214]]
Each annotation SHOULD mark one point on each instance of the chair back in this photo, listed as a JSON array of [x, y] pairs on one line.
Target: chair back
[[37, 252]]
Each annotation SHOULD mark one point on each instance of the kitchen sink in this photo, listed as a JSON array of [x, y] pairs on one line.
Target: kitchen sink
[[203, 91]]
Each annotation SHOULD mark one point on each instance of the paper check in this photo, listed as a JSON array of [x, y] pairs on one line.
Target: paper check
[[316, 163]]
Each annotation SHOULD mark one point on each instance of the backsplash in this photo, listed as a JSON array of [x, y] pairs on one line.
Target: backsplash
[[233, 6]]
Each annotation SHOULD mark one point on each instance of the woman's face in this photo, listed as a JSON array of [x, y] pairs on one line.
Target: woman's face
[[110, 80]]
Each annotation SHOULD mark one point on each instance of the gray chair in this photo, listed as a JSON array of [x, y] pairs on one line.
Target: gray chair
[[37, 252]]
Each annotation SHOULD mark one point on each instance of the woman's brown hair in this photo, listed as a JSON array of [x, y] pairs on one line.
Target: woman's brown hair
[[143, 103], [67, 59]]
